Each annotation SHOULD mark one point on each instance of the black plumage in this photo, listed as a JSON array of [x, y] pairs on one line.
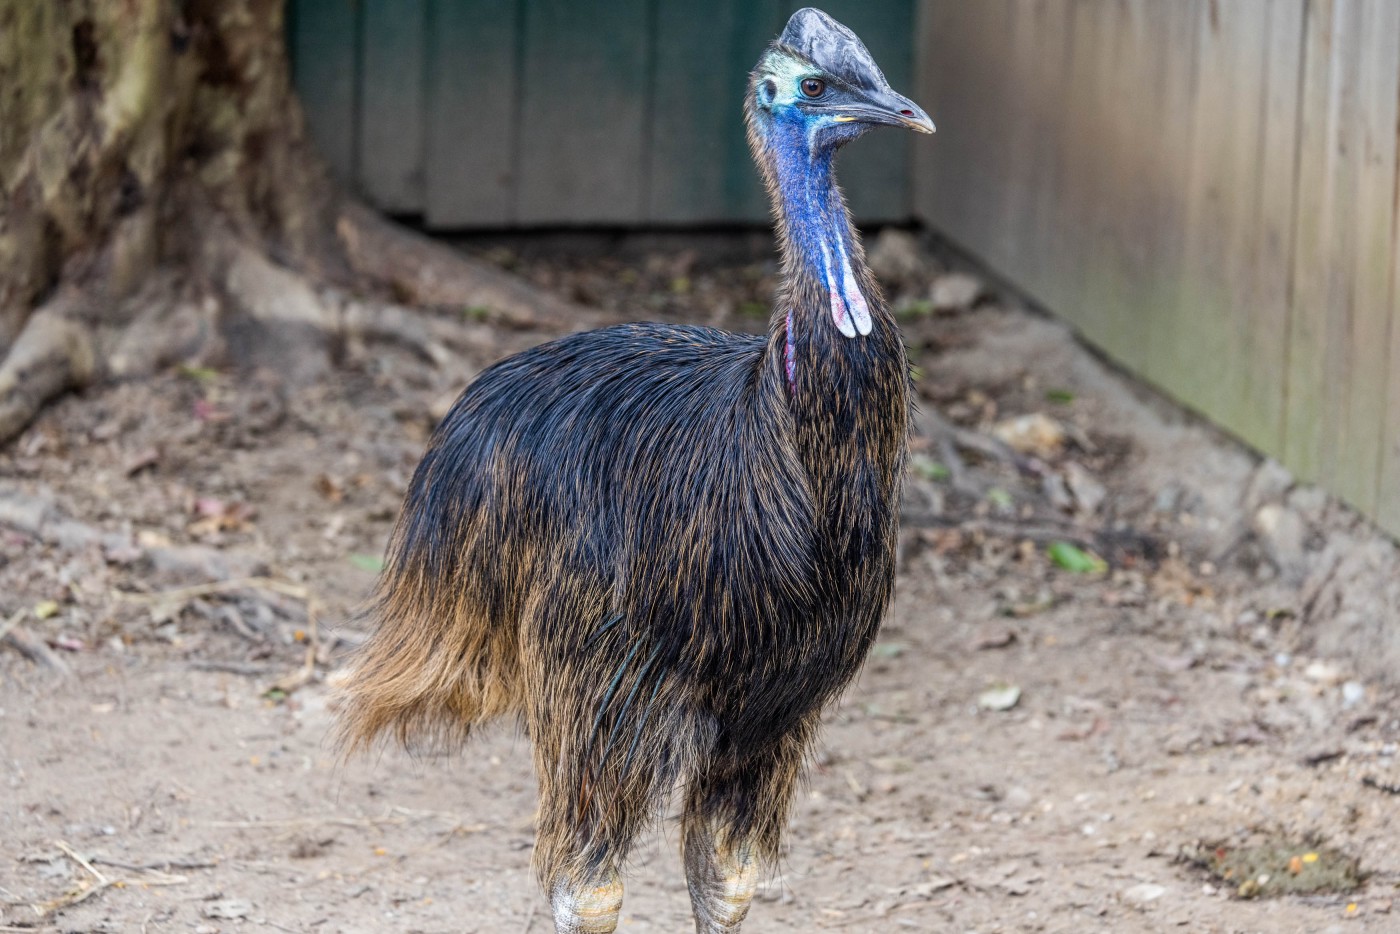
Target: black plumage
[[666, 548]]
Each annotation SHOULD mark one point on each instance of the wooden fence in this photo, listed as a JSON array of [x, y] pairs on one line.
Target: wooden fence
[[1206, 189], [503, 113]]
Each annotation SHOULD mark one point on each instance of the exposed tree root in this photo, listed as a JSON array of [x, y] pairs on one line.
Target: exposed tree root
[[53, 353], [419, 271], [233, 305]]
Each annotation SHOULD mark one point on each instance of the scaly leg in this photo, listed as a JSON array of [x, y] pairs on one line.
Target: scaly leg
[[735, 813], [588, 908], [722, 875]]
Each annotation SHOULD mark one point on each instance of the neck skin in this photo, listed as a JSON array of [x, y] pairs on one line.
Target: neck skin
[[847, 387], [829, 322]]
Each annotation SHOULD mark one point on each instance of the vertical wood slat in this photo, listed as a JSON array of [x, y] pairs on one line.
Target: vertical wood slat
[[1216, 207], [389, 167], [1343, 302], [473, 111], [698, 164], [545, 112], [1222, 348], [324, 40], [586, 79]]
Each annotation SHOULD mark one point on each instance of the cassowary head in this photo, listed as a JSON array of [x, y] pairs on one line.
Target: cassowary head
[[818, 83]]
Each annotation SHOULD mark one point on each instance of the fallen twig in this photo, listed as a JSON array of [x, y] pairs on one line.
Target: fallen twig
[[307, 822], [77, 895], [247, 669], [34, 649], [158, 865], [181, 594]]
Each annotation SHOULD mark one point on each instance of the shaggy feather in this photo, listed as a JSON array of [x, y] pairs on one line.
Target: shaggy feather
[[726, 502]]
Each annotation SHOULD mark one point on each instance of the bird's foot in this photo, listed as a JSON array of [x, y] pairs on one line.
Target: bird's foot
[[588, 908], [722, 890]]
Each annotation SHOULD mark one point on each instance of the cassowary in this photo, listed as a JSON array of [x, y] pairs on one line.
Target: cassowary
[[666, 548]]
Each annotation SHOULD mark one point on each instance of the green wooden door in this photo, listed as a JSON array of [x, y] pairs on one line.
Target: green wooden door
[[520, 113]]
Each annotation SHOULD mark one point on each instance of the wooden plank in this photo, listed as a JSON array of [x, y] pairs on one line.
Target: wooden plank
[[1222, 348], [1388, 505], [473, 92], [324, 40], [963, 86], [699, 164], [1366, 364], [585, 78], [1338, 353], [389, 168]]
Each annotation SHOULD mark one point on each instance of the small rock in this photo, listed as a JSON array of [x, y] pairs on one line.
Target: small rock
[[228, 909], [999, 698], [1037, 434], [1143, 893], [1169, 499], [1088, 492], [896, 259], [894, 765], [993, 636], [1270, 483], [1323, 673], [955, 291], [1353, 693], [1283, 534], [1055, 490]]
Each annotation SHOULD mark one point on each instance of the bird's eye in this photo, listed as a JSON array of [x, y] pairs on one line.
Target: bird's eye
[[813, 87]]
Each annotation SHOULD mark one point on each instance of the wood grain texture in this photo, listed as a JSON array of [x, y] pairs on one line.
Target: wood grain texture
[[324, 40], [473, 108], [584, 107], [1222, 348], [1207, 190], [392, 119], [1343, 279], [698, 162]]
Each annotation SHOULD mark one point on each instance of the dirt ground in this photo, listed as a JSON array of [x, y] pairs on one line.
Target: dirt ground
[[1040, 742]]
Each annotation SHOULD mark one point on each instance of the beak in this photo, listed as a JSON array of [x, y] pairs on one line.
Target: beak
[[886, 108]]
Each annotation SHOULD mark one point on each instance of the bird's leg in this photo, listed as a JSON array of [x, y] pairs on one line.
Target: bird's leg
[[589, 907], [722, 874]]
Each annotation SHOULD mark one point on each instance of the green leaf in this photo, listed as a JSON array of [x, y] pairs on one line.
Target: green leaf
[[476, 313], [928, 469], [200, 374], [1075, 559], [367, 562], [917, 308], [887, 650], [1059, 396], [1000, 498]]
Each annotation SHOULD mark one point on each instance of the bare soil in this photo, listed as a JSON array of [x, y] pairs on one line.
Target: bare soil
[[1030, 748]]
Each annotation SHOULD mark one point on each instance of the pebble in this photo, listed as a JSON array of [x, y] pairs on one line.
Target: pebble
[[1087, 490], [896, 258], [1036, 434], [1323, 673], [954, 291], [1143, 893], [1353, 693]]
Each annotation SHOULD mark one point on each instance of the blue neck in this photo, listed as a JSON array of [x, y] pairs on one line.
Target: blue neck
[[817, 225]]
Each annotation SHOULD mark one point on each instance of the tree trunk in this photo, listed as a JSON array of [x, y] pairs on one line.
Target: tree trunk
[[161, 202]]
